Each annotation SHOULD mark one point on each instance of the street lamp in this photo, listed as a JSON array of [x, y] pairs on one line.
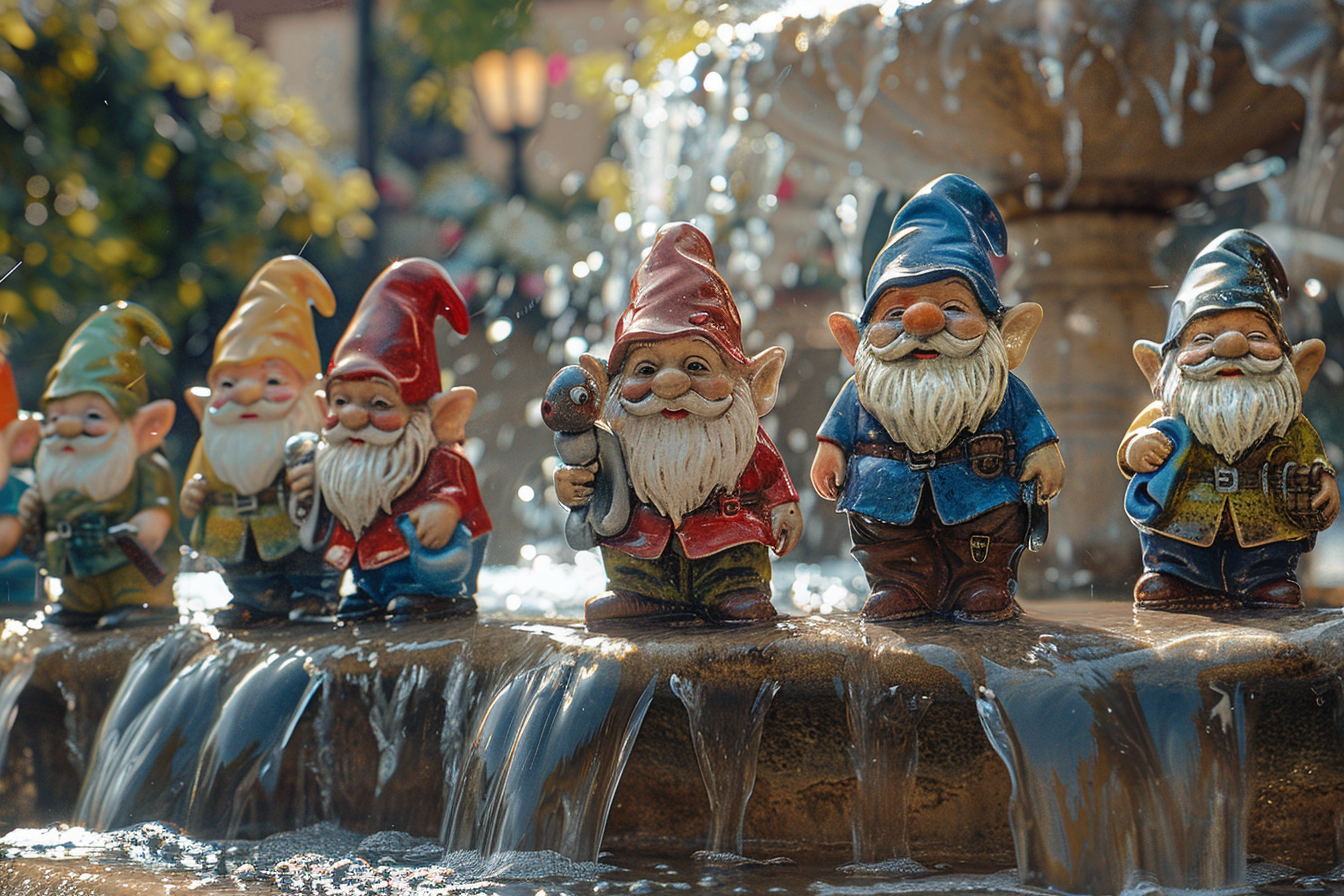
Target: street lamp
[[511, 88]]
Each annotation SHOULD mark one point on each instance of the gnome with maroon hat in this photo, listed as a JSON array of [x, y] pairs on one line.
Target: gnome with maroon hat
[[19, 435], [938, 453], [265, 386], [410, 522], [685, 401]]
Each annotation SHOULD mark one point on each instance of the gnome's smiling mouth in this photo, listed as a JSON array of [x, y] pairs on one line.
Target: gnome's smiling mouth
[[923, 354], [1229, 371], [677, 414]]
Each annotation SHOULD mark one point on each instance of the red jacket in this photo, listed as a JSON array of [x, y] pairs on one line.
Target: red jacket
[[447, 476], [726, 520]]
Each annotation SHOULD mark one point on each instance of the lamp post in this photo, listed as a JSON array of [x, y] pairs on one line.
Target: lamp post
[[511, 88]]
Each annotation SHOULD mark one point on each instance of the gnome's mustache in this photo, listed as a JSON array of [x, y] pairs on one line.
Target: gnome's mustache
[[690, 400], [943, 342], [80, 443], [262, 408], [372, 435], [1248, 364]]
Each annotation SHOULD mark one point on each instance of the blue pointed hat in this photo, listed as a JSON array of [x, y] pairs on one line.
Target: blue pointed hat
[[949, 228], [1236, 270]]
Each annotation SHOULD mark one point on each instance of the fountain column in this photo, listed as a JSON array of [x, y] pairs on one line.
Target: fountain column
[[1092, 272]]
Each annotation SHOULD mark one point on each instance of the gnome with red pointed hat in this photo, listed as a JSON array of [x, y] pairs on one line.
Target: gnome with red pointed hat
[[102, 510], [410, 522], [19, 434], [712, 494], [265, 386]]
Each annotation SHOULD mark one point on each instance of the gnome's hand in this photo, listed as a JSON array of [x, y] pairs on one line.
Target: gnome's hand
[[1147, 451], [299, 479], [574, 485], [828, 470], [435, 523], [151, 527], [786, 521], [1327, 499], [30, 510], [1046, 465], [194, 493]]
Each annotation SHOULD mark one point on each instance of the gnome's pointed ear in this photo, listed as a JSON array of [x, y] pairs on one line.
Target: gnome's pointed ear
[[764, 371], [21, 437], [1148, 355], [845, 329], [450, 411], [1018, 326], [597, 369], [151, 423], [196, 397], [1307, 357]]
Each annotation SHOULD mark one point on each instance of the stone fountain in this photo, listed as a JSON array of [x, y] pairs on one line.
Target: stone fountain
[[1090, 747]]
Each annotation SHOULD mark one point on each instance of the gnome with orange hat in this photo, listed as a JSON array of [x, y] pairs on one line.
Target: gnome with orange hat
[[410, 522], [265, 382], [103, 505], [685, 400], [19, 434]]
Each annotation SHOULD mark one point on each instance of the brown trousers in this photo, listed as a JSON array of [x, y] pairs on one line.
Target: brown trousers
[[938, 562]]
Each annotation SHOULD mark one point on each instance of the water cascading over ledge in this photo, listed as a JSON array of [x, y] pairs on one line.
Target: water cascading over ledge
[[1082, 743]]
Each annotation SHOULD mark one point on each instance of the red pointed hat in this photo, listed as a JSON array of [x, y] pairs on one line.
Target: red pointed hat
[[677, 291], [392, 333], [9, 395]]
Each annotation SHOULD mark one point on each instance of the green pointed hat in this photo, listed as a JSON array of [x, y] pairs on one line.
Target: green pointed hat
[[103, 357]]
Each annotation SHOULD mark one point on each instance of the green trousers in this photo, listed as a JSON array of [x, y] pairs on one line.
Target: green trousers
[[677, 579], [120, 587]]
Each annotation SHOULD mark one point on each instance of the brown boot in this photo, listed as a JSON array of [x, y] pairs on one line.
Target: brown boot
[[747, 605], [890, 600], [628, 606], [1163, 591], [1282, 593], [986, 603]]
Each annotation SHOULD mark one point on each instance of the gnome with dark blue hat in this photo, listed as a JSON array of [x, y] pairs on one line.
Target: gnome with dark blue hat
[[1230, 482], [938, 454]]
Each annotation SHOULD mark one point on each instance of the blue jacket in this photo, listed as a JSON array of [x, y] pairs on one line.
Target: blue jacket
[[888, 490]]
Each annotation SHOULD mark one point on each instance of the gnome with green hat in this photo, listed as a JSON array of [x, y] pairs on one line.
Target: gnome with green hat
[[103, 507], [1229, 482]]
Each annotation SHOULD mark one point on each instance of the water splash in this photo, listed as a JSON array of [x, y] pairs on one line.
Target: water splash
[[546, 758], [387, 716], [726, 724], [884, 749], [11, 686]]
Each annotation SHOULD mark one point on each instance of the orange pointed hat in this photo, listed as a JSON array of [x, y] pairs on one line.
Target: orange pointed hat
[[272, 318], [677, 291], [392, 333]]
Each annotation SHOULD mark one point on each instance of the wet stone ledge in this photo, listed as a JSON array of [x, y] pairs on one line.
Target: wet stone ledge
[[1084, 721]]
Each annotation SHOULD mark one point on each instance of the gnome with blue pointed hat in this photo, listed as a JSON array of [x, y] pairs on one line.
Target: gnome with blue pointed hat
[[938, 454], [103, 509], [1230, 483]]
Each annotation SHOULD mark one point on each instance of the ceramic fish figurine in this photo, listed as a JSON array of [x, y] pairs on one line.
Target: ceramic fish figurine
[[711, 496], [19, 434], [265, 385], [571, 407], [103, 508], [409, 519], [941, 457], [1230, 483]]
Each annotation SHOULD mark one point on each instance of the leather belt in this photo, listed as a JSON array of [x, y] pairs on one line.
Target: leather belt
[[245, 503], [988, 454]]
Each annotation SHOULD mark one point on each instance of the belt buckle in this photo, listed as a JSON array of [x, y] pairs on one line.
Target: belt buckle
[[64, 529], [1225, 479], [918, 462], [730, 505], [245, 503]]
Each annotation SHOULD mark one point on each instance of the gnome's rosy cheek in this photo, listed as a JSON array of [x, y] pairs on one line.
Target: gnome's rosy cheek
[[636, 388], [388, 419]]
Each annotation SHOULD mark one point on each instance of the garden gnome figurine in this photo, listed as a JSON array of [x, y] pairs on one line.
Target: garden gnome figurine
[[410, 522], [265, 383], [1230, 483], [104, 506], [937, 452], [712, 495], [19, 434]]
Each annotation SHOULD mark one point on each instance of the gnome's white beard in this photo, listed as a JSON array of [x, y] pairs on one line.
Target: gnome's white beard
[[100, 467], [1231, 414], [358, 481], [675, 465], [927, 404], [249, 454]]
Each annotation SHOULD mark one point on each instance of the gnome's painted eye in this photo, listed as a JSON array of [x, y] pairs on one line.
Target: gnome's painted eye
[[579, 395]]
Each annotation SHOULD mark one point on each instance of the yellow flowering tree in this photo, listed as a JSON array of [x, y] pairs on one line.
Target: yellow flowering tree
[[147, 153]]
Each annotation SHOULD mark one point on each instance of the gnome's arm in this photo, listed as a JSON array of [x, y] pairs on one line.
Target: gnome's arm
[[835, 441], [1143, 449]]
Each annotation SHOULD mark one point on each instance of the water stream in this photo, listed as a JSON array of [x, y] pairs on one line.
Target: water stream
[[15, 680]]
